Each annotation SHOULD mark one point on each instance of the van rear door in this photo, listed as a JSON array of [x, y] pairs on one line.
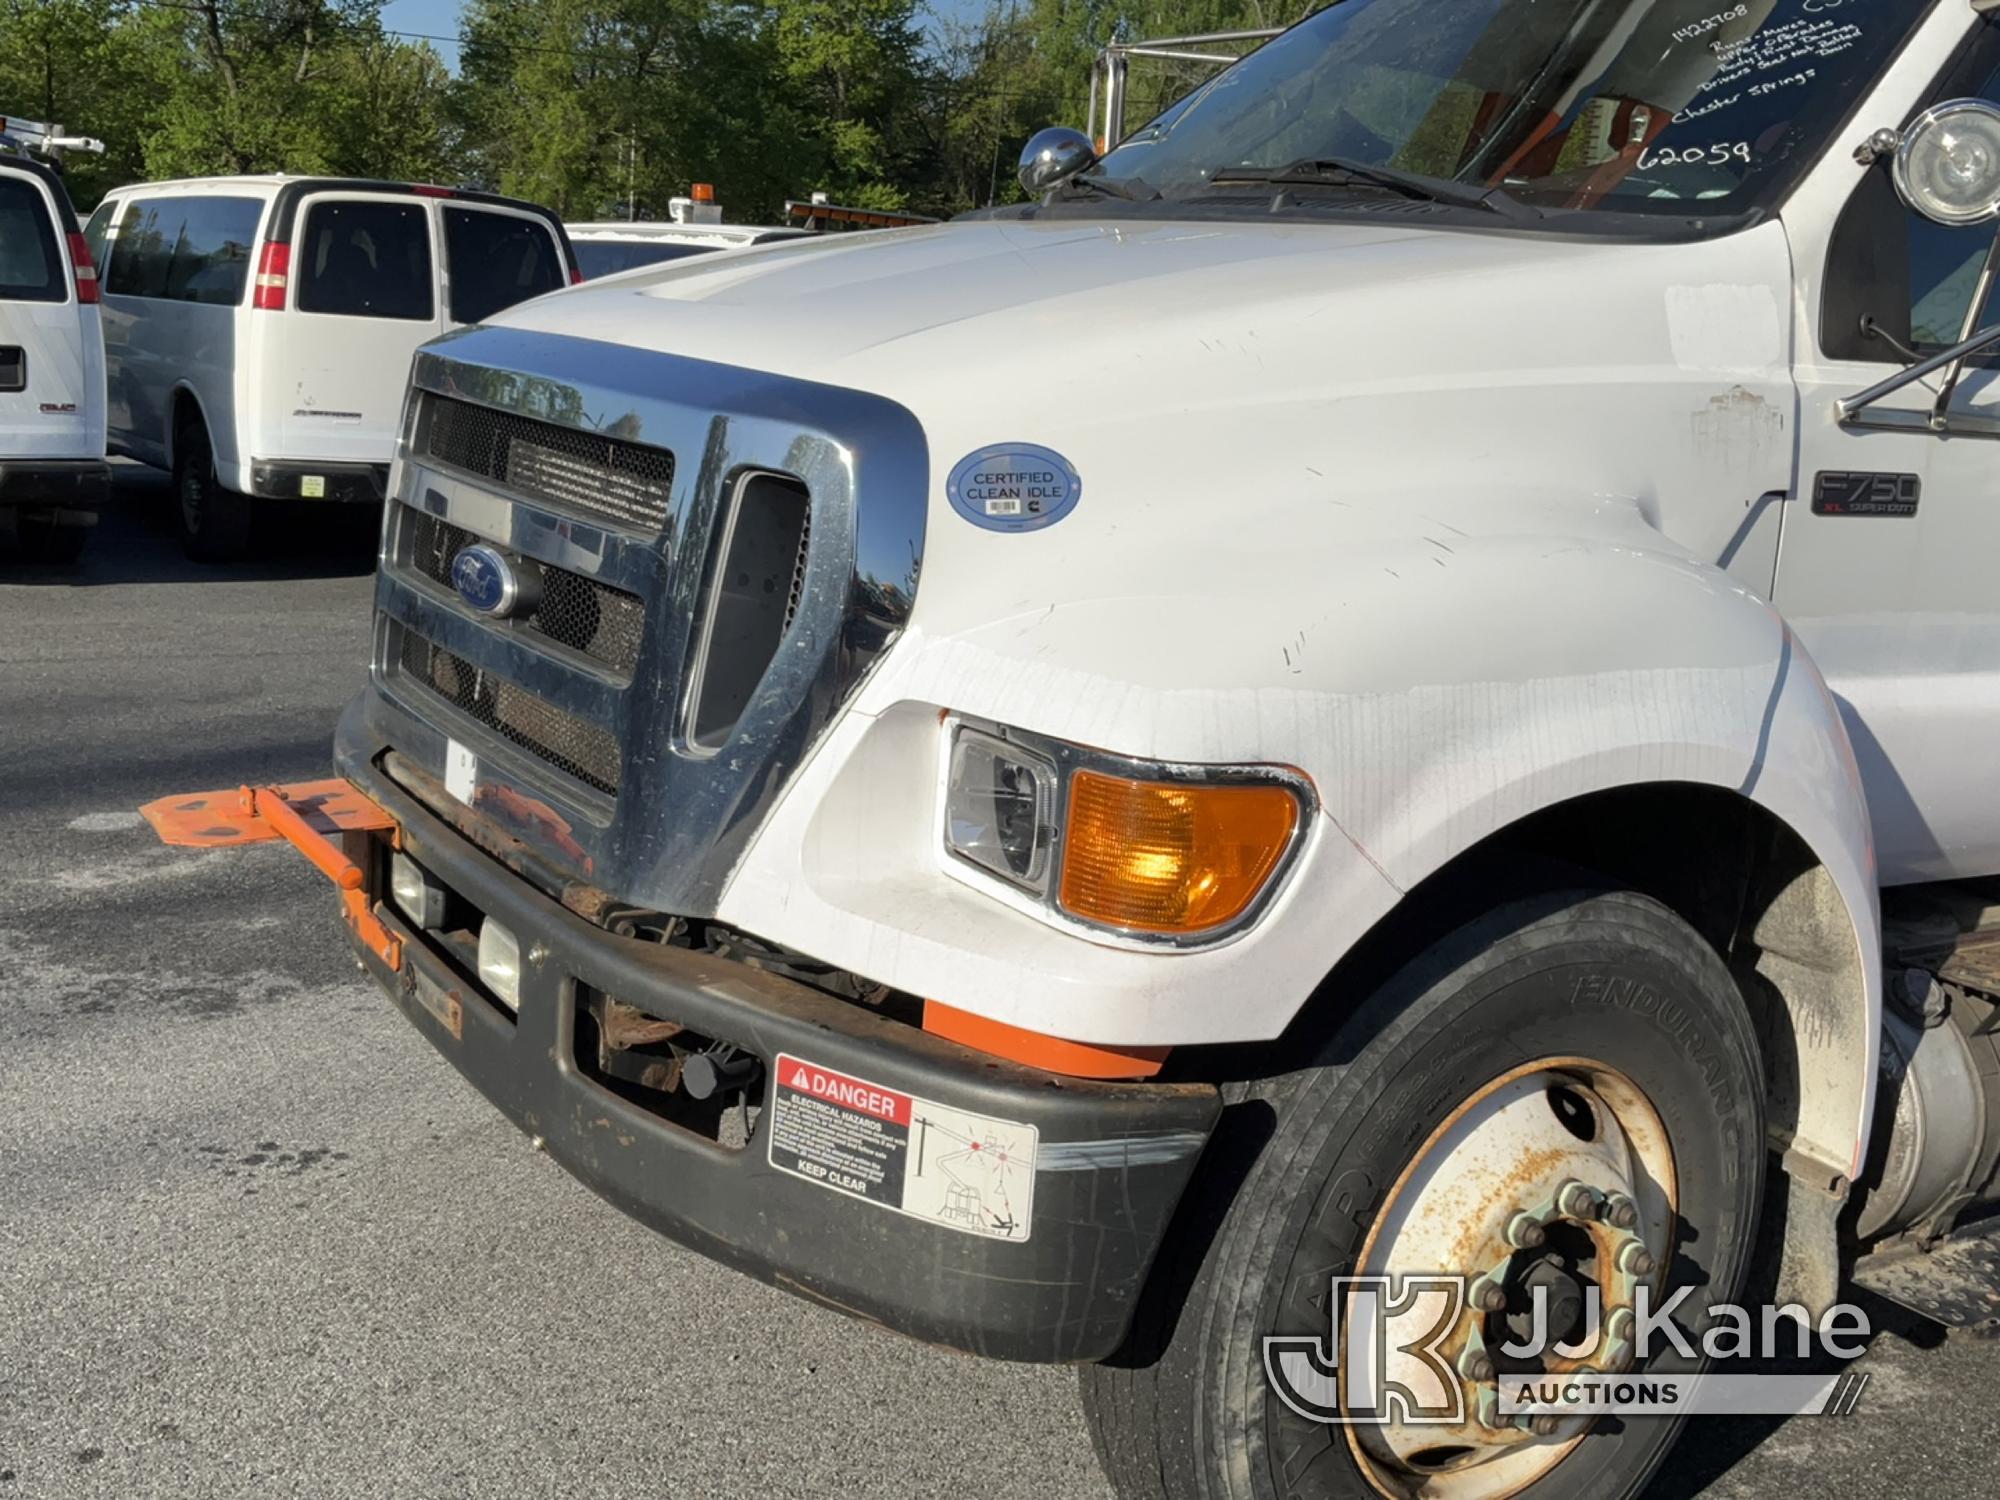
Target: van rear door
[[495, 257], [51, 352], [332, 365]]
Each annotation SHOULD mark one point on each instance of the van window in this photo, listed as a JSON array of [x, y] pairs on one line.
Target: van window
[[211, 259], [31, 267], [97, 228], [184, 249], [365, 259], [597, 258], [497, 260]]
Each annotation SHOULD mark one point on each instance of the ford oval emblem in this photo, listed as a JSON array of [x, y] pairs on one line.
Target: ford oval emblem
[[485, 580], [1014, 487]]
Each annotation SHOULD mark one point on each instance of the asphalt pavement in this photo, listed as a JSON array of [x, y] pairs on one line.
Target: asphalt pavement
[[257, 1239]]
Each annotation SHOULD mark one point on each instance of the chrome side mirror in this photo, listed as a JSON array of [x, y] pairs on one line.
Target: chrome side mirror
[[1947, 164], [1053, 156]]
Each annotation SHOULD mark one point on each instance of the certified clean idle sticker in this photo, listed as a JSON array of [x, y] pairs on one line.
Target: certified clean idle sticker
[[957, 1170], [1014, 487]]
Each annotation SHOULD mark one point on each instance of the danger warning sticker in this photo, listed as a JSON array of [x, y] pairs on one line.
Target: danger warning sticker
[[957, 1170]]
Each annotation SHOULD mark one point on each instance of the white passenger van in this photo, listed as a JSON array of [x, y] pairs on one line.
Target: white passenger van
[[53, 476], [258, 330]]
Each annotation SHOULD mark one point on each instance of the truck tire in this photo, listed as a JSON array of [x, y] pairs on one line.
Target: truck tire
[[1591, 1014], [214, 523], [51, 542]]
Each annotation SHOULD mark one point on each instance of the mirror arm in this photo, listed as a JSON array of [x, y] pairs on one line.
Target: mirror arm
[[1981, 291], [1848, 409]]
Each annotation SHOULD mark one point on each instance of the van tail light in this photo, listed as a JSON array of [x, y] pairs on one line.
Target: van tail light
[[426, 190], [85, 268], [274, 268], [575, 276]]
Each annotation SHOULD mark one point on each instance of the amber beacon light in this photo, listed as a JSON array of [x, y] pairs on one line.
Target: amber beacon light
[[1170, 857]]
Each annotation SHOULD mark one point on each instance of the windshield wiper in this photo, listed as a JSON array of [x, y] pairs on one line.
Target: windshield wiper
[[1084, 184], [1341, 171]]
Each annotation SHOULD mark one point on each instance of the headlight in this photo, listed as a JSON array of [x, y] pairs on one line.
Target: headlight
[[999, 808], [1175, 854]]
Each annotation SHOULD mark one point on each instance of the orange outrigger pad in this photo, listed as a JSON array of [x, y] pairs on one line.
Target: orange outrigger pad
[[308, 815]]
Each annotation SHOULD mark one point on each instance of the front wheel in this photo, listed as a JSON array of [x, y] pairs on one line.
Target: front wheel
[[1560, 1102]]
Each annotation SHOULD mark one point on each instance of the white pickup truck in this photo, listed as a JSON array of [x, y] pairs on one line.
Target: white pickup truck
[[1397, 678]]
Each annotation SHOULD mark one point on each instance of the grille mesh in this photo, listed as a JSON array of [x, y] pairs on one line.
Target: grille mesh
[[623, 482], [587, 751], [581, 613]]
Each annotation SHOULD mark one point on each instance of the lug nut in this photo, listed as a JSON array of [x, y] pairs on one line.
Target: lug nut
[[1577, 1200], [1475, 1366], [1525, 1232], [1618, 1325], [1546, 1425], [1636, 1260], [1489, 1410], [1620, 1212], [1487, 1296]]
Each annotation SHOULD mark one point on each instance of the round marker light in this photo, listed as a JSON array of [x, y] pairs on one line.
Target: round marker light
[[1171, 857], [1948, 164]]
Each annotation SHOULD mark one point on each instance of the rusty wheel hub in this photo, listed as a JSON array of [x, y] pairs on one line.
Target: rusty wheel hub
[[1550, 1195]]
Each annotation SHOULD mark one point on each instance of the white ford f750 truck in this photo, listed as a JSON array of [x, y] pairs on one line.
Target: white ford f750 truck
[[1344, 694]]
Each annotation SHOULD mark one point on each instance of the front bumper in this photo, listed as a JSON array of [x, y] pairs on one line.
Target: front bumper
[[71, 485], [1112, 1160]]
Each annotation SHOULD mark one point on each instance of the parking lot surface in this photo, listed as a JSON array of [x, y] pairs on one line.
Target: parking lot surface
[[256, 1238]]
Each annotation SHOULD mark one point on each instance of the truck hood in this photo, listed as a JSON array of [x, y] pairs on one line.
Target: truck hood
[[988, 295], [1262, 415]]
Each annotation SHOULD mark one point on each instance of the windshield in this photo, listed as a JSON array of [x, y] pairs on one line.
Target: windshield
[[597, 258], [1645, 105]]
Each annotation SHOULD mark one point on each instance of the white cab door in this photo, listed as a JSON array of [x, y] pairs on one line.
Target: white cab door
[[1887, 562]]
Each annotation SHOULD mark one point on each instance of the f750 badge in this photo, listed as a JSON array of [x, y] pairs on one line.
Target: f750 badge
[[1841, 493]]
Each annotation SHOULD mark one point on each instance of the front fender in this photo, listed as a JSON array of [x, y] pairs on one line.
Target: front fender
[[1436, 690]]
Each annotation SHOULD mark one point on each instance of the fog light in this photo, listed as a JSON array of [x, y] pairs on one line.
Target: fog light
[[500, 962], [417, 896], [998, 811]]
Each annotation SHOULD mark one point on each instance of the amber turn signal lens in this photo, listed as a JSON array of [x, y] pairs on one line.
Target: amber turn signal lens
[[1171, 857]]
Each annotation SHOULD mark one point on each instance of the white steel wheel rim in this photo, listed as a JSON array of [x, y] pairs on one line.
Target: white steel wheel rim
[[1510, 1150]]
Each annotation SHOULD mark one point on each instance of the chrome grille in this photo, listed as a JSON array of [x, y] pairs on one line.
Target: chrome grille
[[574, 746], [602, 622], [626, 483]]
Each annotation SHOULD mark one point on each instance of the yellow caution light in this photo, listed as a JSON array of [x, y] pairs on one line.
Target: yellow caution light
[[1171, 856]]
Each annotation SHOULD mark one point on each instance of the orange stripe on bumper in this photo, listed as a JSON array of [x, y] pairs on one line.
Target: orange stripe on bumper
[[1050, 1053]]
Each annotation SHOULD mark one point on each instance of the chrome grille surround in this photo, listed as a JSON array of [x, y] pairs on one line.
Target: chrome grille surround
[[664, 826]]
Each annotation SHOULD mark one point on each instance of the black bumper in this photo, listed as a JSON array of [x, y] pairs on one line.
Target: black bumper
[[1112, 1159], [55, 484], [350, 484]]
